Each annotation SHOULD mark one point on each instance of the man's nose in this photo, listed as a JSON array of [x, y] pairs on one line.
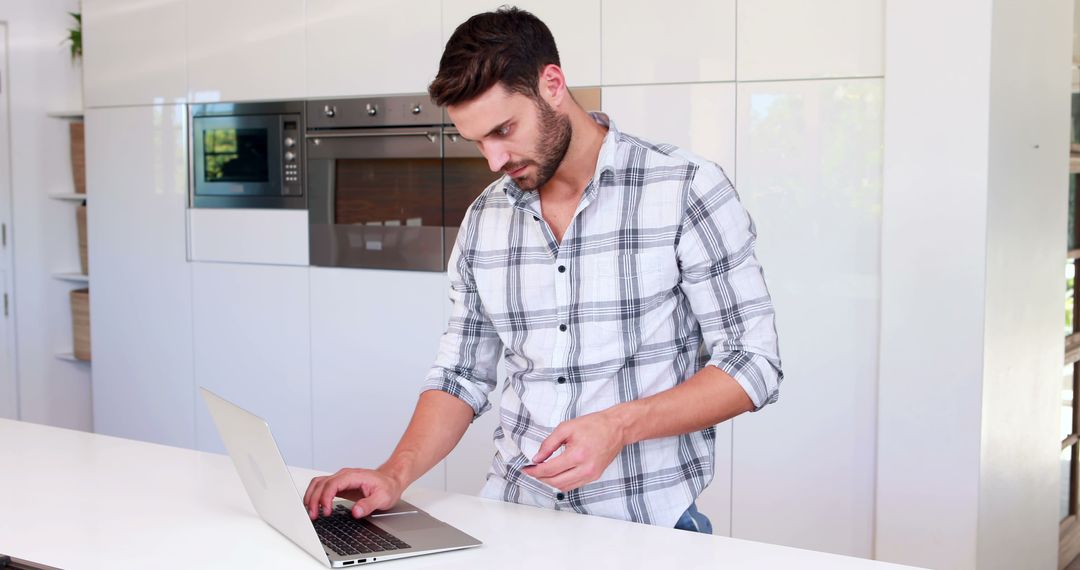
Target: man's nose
[[496, 157]]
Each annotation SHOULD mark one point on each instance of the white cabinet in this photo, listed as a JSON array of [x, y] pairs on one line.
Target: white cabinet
[[135, 52], [140, 302], [575, 24], [245, 49], [794, 39], [239, 235], [809, 161], [372, 47], [696, 117], [252, 346], [374, 335], [686, 41]]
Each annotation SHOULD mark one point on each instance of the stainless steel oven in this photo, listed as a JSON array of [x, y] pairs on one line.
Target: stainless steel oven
[[389, 180], [247, 155]]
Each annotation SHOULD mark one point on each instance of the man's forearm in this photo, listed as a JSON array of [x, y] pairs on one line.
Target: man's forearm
[[707, 398], [437, 424]]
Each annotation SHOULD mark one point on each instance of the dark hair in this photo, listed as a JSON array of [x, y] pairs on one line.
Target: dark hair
[[508, 46]]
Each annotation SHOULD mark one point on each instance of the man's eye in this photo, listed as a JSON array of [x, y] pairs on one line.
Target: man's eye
[[503, 131]]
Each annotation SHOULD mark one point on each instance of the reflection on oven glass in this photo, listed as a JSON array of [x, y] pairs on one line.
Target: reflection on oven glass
[[466, 178], [388, 191]]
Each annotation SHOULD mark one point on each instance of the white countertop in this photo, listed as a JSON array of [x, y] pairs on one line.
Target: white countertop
[[79, 500]]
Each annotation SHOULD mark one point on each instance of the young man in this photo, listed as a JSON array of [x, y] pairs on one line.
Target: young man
[[617, 279]]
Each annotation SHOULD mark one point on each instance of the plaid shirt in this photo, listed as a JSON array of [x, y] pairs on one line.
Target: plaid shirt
[[655, 278]]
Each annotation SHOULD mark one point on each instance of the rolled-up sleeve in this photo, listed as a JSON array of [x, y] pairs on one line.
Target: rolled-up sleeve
[[725, 285], [469, 349]]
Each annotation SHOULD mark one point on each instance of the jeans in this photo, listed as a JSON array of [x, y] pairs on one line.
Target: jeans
[[694, 520]]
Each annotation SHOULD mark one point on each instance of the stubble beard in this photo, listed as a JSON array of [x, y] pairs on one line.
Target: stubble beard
[[555, 135]]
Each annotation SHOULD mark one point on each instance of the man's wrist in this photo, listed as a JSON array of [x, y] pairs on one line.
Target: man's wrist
[[627, 418], [396, 470]]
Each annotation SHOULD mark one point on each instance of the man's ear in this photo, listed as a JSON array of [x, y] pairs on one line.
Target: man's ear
[[553, 86]]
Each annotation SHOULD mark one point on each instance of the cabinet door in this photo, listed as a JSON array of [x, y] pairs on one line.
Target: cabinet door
[[245, 49], [134, 52], [140, 306], [373, 47], [810, 174], [252, 347], [374, 335], [793, 39], [686, 41], [574, 24]]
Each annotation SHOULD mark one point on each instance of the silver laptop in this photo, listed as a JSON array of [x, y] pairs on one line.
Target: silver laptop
[[337, 540]]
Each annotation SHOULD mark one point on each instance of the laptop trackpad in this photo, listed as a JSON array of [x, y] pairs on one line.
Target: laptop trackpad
[[407, 523]]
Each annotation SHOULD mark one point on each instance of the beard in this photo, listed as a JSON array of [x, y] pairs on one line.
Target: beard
[[555, 134]]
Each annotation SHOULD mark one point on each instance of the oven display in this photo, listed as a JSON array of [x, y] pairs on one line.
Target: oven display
[[236, 155]]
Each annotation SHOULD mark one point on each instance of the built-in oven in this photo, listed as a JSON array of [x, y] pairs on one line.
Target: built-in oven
[[247, 155], [379, 192], [389, 180]]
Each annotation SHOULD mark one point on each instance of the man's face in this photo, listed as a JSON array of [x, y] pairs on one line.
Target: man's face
[[524, 138]]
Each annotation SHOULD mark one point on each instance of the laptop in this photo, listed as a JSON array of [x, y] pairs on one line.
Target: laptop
[[337, 540]]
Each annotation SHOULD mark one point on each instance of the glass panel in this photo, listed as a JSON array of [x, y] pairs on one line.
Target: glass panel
[[1066, 483], [388, 192], [1067, 401], [465, 179], [236, 155], [1070, 290]]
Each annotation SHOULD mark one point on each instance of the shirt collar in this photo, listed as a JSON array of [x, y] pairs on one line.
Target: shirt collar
[[605, 161]]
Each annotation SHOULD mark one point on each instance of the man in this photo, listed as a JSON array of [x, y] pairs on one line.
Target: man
[[617, 279]]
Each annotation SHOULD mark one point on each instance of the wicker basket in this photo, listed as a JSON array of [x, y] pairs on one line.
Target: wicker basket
[[80, 222], [78, 156], [80, 322]]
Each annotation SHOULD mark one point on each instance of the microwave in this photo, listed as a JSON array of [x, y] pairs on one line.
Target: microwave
[[247, 155]]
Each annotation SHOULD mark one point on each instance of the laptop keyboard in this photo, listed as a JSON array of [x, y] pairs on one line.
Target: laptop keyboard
[[347, 536]]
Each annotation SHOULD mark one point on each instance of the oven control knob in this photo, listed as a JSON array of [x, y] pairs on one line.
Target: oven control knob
[[372, 110], [329, 110], [290, 156], [416, 109], [289, 142]]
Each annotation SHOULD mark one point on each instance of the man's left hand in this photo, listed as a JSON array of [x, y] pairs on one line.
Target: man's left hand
[[591, 444]]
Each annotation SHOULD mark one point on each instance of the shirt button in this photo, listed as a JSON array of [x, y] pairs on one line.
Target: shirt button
[[562, 328], [560, 496], [562, 269], [562, 380], [536, 219]]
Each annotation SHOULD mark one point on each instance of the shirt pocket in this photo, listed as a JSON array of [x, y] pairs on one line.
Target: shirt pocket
[[624, 290]]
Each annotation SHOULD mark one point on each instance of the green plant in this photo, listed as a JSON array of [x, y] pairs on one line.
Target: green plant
[[75, 36]]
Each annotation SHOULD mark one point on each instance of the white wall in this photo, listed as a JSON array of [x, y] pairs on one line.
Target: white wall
[[42, 80], [972, 250]]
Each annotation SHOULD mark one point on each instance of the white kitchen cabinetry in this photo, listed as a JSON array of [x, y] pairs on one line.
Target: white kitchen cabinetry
[[575, 24], [135, 52], [373, 47], [241, 235], [794, 39], [810, 159], [374, 336], [245, 50], [696, 117], [686, 41], [140, 306], [252, 347]]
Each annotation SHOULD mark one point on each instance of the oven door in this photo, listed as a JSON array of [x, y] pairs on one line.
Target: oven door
[[375, 198], [236, 157], [465, 175]]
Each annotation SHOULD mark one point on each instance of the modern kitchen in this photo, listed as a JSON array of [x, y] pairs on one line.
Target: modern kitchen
[[261, 199]]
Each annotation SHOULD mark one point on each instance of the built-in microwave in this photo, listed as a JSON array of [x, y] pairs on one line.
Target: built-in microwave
[[247, 155]]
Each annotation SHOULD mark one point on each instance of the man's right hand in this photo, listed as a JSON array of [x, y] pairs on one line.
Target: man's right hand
[[371, 489]]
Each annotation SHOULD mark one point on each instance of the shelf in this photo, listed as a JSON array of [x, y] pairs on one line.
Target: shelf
[[70, 197], [67, 115], [76, 277], [70, 357]]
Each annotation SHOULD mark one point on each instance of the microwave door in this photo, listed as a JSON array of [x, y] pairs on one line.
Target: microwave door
[[237, 156], [375, 199]]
